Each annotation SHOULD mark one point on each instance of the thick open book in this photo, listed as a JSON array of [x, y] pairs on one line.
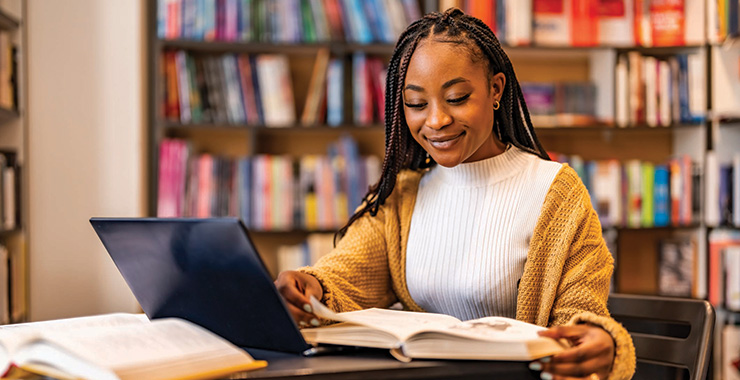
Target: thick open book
[[119, 346], [432, 336]]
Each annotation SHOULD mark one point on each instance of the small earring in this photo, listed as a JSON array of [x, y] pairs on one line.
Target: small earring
[[496, 105], [428, 159]]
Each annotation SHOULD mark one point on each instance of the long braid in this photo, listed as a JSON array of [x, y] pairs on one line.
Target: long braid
[[512, 123]]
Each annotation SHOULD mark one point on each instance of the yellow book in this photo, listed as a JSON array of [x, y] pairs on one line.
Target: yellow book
[[119, 347]]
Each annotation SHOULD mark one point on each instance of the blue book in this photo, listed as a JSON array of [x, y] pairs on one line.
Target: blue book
[[500, 31], [661, 196], [683, 87], [370, 10], [161, 19], [256, 86], [335, 92]]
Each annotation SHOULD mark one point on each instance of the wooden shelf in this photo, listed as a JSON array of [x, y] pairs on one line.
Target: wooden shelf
[[282, 48], [271, 130], [660, 228], [606, 127], [7, 115], [7, 22]]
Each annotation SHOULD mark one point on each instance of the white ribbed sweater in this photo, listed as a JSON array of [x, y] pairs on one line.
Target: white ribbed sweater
[[470, 233]]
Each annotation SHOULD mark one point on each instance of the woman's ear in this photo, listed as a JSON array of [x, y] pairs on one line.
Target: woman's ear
[[498, 82]]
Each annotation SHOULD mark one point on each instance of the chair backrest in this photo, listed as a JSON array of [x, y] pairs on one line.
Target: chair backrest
[[675, 332]]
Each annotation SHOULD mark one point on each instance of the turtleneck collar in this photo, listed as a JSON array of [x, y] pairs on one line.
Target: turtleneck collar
[[484, 172]]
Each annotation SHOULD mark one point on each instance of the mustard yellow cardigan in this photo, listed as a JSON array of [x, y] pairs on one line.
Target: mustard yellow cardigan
[[565, 280]]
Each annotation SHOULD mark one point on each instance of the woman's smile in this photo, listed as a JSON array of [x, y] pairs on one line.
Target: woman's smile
[[444, 142]]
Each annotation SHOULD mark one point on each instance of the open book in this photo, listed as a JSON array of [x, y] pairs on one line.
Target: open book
[[432, 336], [118, 346]]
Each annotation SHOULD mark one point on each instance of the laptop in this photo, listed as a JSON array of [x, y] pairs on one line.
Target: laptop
[[206, 271]]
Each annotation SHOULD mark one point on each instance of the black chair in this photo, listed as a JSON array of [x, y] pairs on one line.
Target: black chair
[[668, 332]]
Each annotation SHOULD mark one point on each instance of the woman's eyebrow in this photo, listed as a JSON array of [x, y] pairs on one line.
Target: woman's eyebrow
[[451, 82], [446, 85]]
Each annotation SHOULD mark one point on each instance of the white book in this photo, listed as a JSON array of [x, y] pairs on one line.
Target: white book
[[731, 257], [694, 22], [119, 346], [697, 85], [650, 68], [9, 198], [664, 93], [433, 336], [552, 29], [622, 90], [276, 90], [518, 22]]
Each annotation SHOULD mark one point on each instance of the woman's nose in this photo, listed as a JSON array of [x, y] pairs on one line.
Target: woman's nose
[[438, 117]]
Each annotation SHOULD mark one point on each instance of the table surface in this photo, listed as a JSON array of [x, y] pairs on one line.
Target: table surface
[[379, 364]]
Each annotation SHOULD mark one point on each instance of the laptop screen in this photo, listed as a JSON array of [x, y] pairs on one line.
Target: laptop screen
[[206, 271]]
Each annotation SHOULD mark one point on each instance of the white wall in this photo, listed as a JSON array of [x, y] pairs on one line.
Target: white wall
[[85, 148]]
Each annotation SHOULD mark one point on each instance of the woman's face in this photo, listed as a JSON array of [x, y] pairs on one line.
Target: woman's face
[[448, 104]]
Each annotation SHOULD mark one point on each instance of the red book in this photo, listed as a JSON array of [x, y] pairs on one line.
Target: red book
[[667, 22], [584, 23], [484, 10], [172, 101]]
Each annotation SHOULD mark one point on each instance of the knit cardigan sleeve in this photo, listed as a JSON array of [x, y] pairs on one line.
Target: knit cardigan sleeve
[[582, 270], [355, 274]]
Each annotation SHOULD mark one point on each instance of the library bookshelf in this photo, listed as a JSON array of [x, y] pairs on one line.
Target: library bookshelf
[[611, 134]]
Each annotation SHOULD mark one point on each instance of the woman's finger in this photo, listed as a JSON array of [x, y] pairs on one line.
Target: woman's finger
[[585, 351], [302, 318]]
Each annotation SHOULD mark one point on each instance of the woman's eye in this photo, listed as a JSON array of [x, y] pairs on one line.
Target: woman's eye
[[458, 100], [415, 105]]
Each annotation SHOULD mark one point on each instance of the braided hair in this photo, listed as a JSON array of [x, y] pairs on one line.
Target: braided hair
[[512, 123]]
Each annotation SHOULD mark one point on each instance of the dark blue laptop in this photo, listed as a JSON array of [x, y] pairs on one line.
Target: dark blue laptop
[[206, 271]]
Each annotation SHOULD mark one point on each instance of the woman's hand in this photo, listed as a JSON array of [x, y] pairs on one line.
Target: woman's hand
[[297, 288], [591, 356]]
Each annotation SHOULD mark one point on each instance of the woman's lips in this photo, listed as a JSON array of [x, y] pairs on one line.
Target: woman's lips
[[444, 142]]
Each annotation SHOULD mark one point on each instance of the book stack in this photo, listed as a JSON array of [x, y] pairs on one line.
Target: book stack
[[638, 194], [561, 104], [286, 21], [660, 91], [268, 192]]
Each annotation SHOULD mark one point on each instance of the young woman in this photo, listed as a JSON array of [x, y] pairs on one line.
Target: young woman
[[469, 217]]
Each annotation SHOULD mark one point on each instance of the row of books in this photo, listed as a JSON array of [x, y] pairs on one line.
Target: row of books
[[9, 191], [236, 89], [286, 21], [723, 22], [660, 91], [258, 90], [722, 191], [291, 257], [268, 192], [559, 104], [592, 23], [638, 194], [8, 73]]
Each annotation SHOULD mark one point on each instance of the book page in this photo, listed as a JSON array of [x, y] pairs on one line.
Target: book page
[[496, 329], [126, 346], [401, 324], [165, 348], [12, 336]]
